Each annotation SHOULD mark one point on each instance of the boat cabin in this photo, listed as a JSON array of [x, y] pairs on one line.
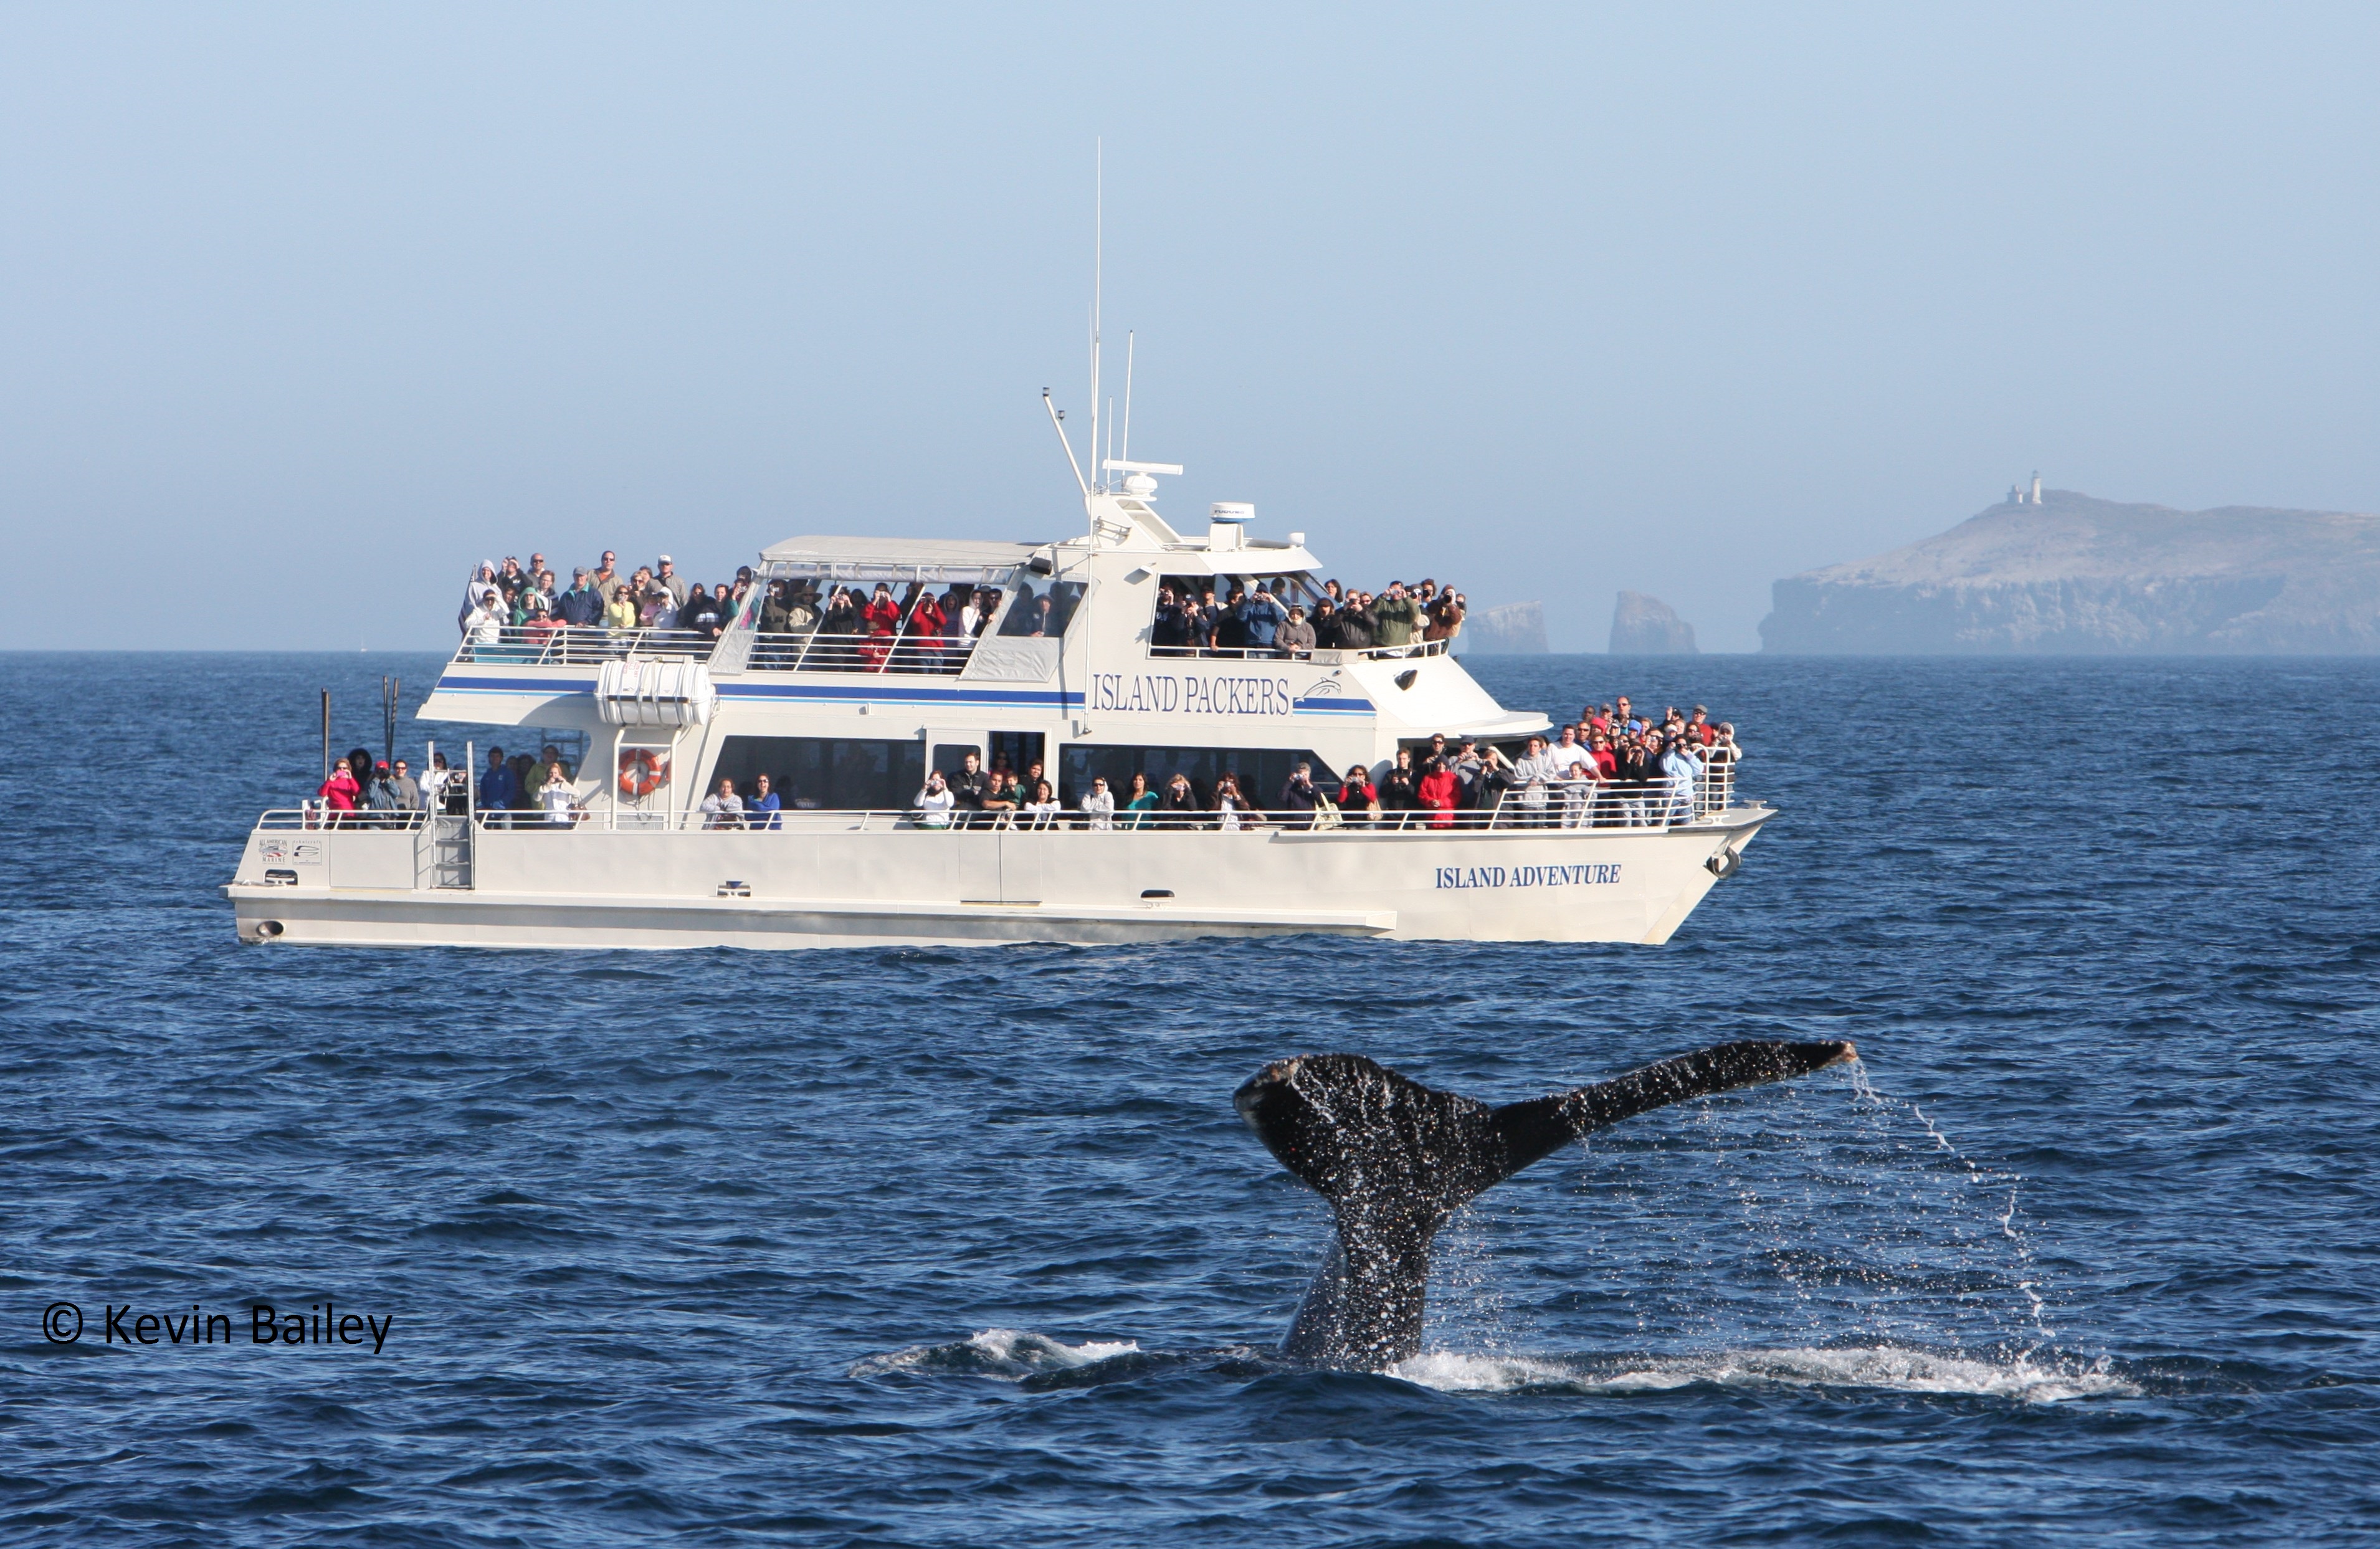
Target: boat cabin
[[1047, 653]]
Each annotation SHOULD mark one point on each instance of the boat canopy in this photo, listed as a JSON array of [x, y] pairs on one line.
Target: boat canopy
[[970, 552]]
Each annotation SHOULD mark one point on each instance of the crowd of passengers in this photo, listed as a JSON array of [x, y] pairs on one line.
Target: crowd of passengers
[[869, 629], [530, 597], [363, 792], [1611, 768], [920, 628], [1273, 620]]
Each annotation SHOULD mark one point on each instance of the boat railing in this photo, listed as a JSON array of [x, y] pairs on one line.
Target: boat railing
[[572, 645], [316, 814], [1658, 805], [1327, 657], [818, 651]]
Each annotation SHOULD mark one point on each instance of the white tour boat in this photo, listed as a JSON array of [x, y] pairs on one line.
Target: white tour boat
[[848, 727]]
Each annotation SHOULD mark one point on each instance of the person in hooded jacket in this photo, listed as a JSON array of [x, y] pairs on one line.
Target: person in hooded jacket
[[882, 617], [1438, 793], [474, 593], [923, 628], [701, 613], [1297, 637], [839, 622], [484, 625]]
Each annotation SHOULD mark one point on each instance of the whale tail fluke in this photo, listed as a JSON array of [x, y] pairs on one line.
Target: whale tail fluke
[[1542, 1126], [1395, 1159]]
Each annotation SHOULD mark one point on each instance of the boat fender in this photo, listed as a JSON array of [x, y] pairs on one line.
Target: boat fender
[[643, 772], [1724, 863]]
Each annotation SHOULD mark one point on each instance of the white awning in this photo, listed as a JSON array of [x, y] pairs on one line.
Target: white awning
[[900, 551]]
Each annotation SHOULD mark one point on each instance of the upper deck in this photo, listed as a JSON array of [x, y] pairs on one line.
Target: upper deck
[[1053, 638]]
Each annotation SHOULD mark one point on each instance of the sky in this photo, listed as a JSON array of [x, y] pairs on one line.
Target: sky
[[305, 310]]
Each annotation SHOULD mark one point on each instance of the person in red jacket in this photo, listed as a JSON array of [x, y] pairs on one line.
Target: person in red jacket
[[924, 630], [1440, 791], [340, 791], [1359, 800], [882, 618]]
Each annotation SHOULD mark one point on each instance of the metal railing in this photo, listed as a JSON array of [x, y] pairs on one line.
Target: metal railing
[[1659, 804], [315, 814], [1319, 654], [574, 644], [816, 651]]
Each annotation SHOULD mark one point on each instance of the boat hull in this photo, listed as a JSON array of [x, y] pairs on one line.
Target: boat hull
[[591, 889]]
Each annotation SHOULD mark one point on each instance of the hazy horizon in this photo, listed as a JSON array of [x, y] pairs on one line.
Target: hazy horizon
[[310, 310]]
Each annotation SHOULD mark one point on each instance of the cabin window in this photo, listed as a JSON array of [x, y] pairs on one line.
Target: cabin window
[[1172, 631], [836, 773], [1042, 612], [949, 757], [1262, 771]]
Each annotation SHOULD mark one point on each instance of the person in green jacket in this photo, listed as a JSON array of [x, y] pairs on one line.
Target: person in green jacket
[[1394, 615]]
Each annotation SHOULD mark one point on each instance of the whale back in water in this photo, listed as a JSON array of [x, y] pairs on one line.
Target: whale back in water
[[1396, 1159]]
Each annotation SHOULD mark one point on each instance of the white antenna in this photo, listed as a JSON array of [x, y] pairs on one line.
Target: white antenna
[[1057, 421], [1098, 265], [1109, 453], [1128, 394]]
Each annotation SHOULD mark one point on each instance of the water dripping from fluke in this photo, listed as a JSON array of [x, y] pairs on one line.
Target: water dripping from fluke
[[1859, 1260]]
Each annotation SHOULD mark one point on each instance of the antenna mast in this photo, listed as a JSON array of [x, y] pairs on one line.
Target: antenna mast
[[1099, 269], [1128, 394]]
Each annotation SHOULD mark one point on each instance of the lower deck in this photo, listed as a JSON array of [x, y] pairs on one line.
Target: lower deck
[[862, 879]]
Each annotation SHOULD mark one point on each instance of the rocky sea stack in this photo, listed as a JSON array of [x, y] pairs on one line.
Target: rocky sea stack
[[1508, 629], [1643, 626], [2071, 574]]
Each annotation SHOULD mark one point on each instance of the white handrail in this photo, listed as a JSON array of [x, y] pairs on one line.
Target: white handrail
[[819, 651], [573, 644], [1613, 810], [1325, 655]]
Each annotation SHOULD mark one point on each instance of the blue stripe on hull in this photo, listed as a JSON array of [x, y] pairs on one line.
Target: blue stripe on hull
[[890, 693], [1005, 699]]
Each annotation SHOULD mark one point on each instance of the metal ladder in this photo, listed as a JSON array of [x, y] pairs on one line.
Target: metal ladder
[[450, 850]]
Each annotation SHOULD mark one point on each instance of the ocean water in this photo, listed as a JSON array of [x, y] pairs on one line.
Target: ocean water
[[963, 1248]]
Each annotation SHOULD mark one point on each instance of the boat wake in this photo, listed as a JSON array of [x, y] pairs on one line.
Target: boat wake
[[1040, 1362]]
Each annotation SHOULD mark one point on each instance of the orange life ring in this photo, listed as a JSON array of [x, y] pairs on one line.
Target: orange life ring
[[643, 772]]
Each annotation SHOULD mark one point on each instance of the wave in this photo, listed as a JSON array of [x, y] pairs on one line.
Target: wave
[[996, 1352], [1037, 1360], [1898, 1368]]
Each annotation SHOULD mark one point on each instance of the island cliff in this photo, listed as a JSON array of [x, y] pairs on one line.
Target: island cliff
[[1643, 626], [2067, 573]]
